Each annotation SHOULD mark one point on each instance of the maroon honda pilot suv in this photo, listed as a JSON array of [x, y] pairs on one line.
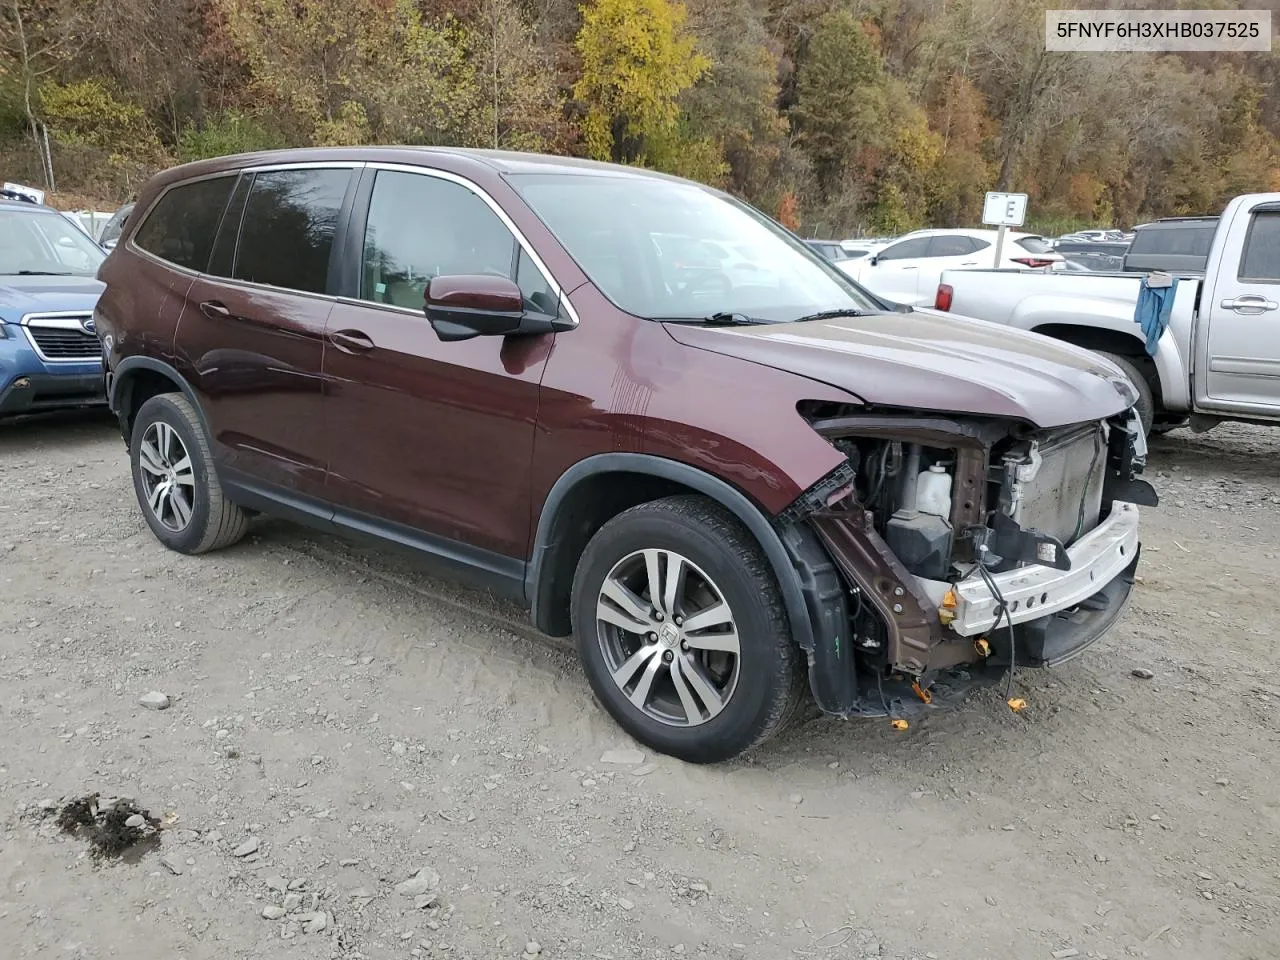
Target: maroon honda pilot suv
[[633, 404]]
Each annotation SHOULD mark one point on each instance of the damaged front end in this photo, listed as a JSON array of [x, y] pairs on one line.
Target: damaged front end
[[944, 550]]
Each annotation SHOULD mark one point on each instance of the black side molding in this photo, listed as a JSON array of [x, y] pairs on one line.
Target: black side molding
[[503, 576]]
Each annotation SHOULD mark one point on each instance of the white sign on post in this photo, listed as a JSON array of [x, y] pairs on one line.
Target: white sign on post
[[1005, 210], [30, 192]]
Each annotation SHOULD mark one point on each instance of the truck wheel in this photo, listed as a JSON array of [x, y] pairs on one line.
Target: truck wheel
[[682, 632], [173, 476], [1146, 400]]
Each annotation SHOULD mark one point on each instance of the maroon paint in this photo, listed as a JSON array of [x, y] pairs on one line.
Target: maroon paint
[[475, 292], [257, 371], [434, 435]]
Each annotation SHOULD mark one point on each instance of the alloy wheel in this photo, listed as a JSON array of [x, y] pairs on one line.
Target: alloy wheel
[[167, 476], [669, 637]]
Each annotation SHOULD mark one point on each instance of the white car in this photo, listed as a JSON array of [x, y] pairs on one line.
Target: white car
[[854, 253], [908, 270]]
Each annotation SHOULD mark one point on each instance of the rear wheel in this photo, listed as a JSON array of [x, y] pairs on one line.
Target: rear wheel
[[682, 632], [173, 476], [1146, 397]]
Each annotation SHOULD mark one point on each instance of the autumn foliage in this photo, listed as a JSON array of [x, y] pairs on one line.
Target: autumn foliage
[[842, 115]]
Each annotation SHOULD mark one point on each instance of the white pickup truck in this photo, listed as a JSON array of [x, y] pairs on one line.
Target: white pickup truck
[[1219, 357]]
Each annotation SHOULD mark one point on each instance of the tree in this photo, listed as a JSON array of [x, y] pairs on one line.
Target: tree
[[840, 98], [736, 102], [637, 58], [351, 71], [37, 37], [523, 109]]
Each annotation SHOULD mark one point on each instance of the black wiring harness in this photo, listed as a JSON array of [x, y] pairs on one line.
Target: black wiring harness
[[1002, 610]]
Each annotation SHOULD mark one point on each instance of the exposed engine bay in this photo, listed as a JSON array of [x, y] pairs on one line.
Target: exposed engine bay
[[931, 521]]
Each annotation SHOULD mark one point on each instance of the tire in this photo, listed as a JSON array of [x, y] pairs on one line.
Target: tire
[[211, 520], [720, 558], [1146, 399], [1159, 428]]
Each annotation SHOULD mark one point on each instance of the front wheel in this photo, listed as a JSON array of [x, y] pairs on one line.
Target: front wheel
[[1146, 396], [682, 632]]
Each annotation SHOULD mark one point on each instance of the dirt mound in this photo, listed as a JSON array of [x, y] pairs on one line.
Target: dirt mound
[[114, 829]]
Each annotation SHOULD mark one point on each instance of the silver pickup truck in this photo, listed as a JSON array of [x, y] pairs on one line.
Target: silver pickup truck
[[1219, 357]]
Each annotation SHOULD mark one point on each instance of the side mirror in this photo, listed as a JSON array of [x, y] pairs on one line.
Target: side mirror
[[873, 261], [461, 307], [464, 306]]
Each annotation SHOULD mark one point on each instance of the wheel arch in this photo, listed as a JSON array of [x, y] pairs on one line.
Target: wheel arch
[[135, 380], [570, 516]]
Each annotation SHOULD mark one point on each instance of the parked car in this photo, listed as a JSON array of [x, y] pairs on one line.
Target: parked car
[[50, 357], [111, 232], [729, 491], [907, 270], [827, 249], [856, 246], [1091, 254], [1218, 359]]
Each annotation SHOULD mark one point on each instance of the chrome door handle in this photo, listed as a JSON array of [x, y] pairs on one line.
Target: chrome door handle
[[352, 341], [1249, 302], [215, 310]]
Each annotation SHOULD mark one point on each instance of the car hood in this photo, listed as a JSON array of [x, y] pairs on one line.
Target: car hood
[[925, 360], [22, 295]]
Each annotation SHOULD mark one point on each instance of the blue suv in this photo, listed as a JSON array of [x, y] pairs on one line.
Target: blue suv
[[50, 357]]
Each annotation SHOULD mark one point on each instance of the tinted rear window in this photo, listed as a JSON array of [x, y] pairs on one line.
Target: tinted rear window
[[1183, 239], [287, 232], [950, 245], [906, 250], [181, 227], [1261, 259]]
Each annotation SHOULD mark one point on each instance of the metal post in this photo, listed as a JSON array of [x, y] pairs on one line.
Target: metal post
[[48, 158], [999, 244]]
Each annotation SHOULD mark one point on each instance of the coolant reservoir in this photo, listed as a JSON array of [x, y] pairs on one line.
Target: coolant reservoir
[[933, 491]]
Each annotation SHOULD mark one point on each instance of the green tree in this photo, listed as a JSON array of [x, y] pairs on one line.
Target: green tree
[[37, 39], [637, 58], [522, 107], [841, 98], [226, 133], [348, 71], [736, 103]]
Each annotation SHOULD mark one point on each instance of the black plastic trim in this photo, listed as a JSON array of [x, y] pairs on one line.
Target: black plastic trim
[[1062, 636], [119, 386], [502, 575], [832, 670], [538, 586], [45, 391]]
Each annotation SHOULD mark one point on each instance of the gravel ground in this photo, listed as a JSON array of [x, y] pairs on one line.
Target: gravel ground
[[360, 760]]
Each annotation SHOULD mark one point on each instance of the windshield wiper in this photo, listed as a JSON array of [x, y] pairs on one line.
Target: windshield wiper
[[832, 314], [733, 320], [42, 273]]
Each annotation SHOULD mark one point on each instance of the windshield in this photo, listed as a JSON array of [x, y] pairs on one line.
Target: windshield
[[45, 243], [676, 251]]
